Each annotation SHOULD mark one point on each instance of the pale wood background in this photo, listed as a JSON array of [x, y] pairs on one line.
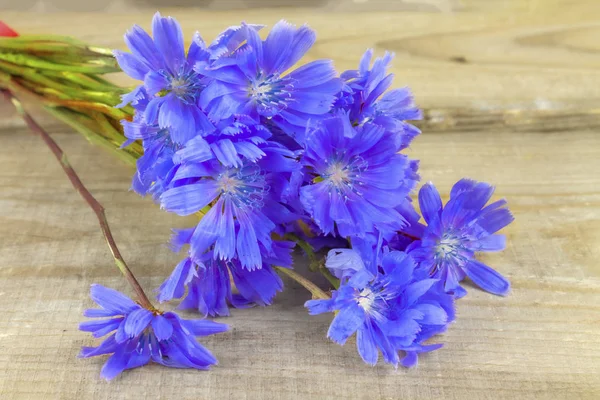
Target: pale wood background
[[512, 94]]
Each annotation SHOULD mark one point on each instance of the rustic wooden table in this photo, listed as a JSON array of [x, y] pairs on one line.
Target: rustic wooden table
[[511, 91]]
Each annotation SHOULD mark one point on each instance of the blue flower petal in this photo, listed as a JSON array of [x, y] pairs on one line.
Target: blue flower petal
[[258, 285], [180, 238], [486, 278], [168, 39], [410, 359], [311, 102], [178, 116], [109, 345], [365, 343], [100, 328], [120, 335], [206, 232], [188, 199], [430, 202], [231, 38], [226, 153], [314, 73], [212, 289], [277, 46], [154, 82], [130, 98], [111, 300], [382, 341], [432, 314], [135, 130], [137, 321], [304, 38], [399, 266], [139, 358], [360, 279], [142, 46], [463, 185], [247, 243], [379, 89], [316, 307], [313, 199], [152, 110], [479, 195], [345, 323], [225, 245], [344, 262], [197, 51], [196, 150], [115, 364], [216, 90], [131, 65], [162, 327], [405, 327], [495, 220], [489, 243], [99, 313], [256, 45], [415, 290], [203, 327], [174, 286]]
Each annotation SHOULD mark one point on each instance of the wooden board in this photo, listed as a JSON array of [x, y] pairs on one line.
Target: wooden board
[[512, 93]]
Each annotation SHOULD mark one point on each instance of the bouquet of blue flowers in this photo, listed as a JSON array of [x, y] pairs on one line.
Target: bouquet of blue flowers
[[270, 156]]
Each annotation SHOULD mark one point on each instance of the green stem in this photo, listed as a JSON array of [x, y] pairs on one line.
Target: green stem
[[316, 292], [315, 264], [93, 106], [312, 257], [303, 244], [87, 82], [56, 93], [115, 136], [50, 42], [80, 123], [35, 62], [335, 282]]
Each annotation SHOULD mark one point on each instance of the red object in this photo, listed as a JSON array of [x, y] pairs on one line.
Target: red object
[[6, 30]]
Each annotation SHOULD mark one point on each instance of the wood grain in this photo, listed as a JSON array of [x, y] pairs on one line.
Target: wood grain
[[511, 90]]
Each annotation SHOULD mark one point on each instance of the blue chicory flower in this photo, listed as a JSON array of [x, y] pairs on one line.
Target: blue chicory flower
[[455, 232], [364, 99], [396, 309], [245, 205], [355, 178], [209, 285], [254, 80], [143, 335], [168, 76]]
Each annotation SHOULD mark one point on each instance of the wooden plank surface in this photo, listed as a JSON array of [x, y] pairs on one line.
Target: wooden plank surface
[[512, 95]]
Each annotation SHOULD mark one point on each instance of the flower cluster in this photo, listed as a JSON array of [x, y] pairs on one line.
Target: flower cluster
[[269, 155]]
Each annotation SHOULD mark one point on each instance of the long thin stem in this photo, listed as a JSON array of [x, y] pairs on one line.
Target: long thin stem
[[308, 285], [304, 246], [335, 282], [30, 61], [315, 264], [87, 196]]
